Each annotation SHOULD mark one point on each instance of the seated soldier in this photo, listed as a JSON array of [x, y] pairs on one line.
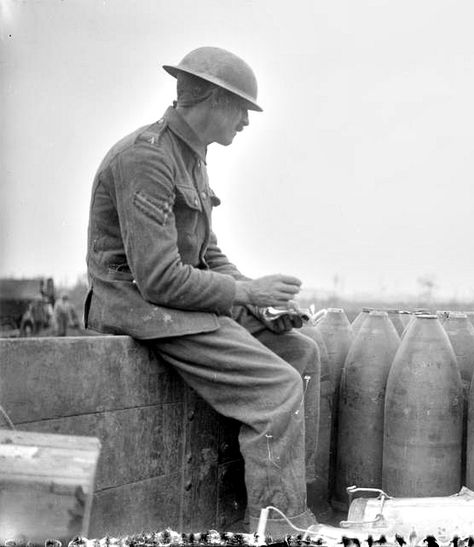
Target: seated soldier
[[156, 273]]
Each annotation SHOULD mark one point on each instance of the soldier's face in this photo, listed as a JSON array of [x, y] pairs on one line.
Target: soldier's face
[[230, 116]]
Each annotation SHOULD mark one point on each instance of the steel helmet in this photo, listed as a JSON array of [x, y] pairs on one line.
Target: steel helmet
[[222, 68]]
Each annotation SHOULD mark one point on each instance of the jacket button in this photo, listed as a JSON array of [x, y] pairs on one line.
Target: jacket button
[[199, 163], [204, 195], [196, 201]]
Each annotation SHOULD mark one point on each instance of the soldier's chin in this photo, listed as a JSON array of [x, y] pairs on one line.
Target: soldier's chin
[[227, 141]]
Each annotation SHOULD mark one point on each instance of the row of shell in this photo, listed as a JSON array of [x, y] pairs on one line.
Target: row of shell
[[395, 402]]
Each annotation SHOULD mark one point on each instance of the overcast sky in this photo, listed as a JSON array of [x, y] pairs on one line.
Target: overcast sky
[[359, 172]]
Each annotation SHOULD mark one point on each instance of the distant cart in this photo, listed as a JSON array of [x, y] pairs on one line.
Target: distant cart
[[25, 306]]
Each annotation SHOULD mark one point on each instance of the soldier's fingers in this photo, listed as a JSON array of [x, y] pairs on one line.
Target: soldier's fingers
[[290, 279], [282, 300], [289, 289]]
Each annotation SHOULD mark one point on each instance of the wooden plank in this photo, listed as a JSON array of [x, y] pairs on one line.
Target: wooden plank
[[137, 443], [232, 494], [149, 505], [200, 464], [80, 444], [229, 449], [45, 378]]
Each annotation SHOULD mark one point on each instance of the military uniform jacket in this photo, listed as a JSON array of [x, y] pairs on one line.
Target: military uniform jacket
[[154, 266]]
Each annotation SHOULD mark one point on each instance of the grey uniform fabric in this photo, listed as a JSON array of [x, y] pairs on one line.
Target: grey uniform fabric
[[154, 266], [156, 273], [241, 375]]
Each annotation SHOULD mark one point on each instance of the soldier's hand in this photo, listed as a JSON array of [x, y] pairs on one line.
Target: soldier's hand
[[271, 290]]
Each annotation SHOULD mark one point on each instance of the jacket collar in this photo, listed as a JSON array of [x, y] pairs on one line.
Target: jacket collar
[[180, 128]]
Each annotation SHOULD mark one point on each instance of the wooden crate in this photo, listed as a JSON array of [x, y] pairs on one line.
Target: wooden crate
[[167, 458], [46, 485]]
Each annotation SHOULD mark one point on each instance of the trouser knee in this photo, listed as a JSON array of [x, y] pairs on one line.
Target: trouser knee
[[307, 356], [290, 397]]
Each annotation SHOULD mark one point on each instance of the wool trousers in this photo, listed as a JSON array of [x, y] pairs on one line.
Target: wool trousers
[[269, 382]]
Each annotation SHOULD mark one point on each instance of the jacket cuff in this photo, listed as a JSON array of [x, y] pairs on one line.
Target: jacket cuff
[[225, 300]]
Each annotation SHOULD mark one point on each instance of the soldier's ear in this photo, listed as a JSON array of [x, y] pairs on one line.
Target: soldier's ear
[[220, 97], [215, 98]]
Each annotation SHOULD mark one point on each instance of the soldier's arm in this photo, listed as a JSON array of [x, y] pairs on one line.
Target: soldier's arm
[[145, 205]]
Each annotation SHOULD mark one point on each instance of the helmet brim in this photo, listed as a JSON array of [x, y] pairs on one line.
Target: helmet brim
[[251, 104]]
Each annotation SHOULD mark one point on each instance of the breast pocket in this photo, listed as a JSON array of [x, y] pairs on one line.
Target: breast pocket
[[187, 209], [209, 200]]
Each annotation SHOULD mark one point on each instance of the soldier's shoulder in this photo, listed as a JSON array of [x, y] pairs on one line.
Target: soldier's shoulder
[[129, 140], [150, 133]]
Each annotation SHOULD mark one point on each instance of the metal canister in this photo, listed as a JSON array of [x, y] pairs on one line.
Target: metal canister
[[361, 405], [460, 332], [405, 317], [318, 493], [336, 331], [470, 316], [470, 439], [423, 415], [395, 318], [360, 318]]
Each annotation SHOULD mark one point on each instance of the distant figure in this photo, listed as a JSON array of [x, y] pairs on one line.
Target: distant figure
[[48, 311], [39, 318], [27, 324], [64, 315]]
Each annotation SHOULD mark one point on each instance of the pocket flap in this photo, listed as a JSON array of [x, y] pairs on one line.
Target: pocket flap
[[189, 196]]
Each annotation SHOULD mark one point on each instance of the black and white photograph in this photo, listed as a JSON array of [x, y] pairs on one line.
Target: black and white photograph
[[236, 273]]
